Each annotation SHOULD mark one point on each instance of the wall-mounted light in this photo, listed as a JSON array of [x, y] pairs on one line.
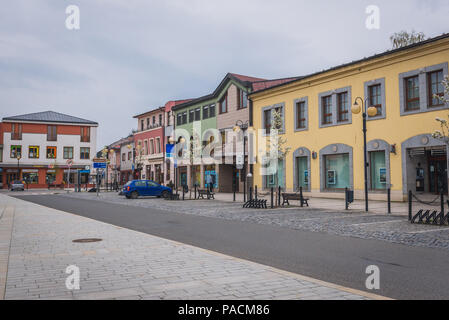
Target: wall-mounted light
[[393, 148], [314, 155]]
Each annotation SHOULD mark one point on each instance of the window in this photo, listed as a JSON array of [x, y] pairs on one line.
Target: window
[[197, 114], [242, 99], [179, 119], [301, 115], [68, 152], [145, 147], [154, 120], [16, 151], [129, 155], [435, 87], [85, 134], [184, 117], [302, 173], [205, 112], [158, 145], [84, 153], [224, 103], [141, 125], [267, 122], [33, 152], [16, 131], [51, 133], [123, 156], [412, 93], [212, 111], [148, 123], [51, 152], [191, 116], [151, 146], [342, 105], [30, 176], [337, 171], [327, 110], [375, 98], [160, 119]]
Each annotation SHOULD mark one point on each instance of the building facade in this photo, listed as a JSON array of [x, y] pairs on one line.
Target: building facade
[[210, 121], [46, 148], [326, 138]]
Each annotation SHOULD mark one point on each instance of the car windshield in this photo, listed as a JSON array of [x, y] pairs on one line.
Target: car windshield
[[128, 183], [17, 182]]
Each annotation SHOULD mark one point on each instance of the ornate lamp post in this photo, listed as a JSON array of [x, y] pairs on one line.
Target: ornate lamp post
[[371, 111], [240, 125]]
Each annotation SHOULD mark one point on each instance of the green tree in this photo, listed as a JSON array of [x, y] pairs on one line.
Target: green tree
[[404, 38]]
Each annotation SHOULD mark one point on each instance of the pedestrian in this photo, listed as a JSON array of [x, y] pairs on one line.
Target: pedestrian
[[209, 182]]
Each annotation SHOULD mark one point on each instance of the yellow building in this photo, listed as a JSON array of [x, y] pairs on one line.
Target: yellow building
[[326, 138]]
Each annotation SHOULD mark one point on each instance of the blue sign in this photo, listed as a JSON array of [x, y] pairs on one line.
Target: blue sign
[[169, 150], [100, 165], [84, 171]]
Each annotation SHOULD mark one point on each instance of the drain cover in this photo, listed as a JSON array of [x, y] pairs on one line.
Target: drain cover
[[87, 240]]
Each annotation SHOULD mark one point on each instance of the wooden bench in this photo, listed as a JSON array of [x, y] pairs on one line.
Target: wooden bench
[[294, 196], [205, 192]]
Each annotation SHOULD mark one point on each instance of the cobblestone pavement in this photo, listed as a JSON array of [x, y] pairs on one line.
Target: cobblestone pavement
[[130, 265], [390, 228]]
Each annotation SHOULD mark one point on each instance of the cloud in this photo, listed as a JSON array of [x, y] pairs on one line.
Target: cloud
[[132, 56]]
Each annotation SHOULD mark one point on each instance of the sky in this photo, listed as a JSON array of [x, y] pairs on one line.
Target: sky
[[131, 56]]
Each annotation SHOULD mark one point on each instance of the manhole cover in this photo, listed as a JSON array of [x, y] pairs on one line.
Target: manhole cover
[[87, 240]]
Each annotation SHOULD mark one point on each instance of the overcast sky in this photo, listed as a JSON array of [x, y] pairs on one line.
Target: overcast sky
[[132, 56]]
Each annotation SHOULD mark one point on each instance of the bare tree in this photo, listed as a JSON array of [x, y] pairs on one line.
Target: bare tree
[[404, 38]]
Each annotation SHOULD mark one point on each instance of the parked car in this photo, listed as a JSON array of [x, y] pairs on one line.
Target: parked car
[[144, 188], [17, 185]]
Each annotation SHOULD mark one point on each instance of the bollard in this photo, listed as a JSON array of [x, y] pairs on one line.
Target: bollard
[[272, 194], [346, 198], [279, 196], [195, 191], [389, 200], [301, 196], [442, 201], [183, 192], [255, 193], [410, 205], [233, 199]]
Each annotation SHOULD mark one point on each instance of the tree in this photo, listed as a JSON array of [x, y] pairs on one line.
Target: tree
[[279, 143], [443, 134], [403, 38]]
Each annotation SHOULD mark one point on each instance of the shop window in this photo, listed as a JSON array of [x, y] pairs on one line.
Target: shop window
[[337, 171], [16, 151], [84, 153], [276, 179], [68, 152], [33, 152], [30, 176], [51, 152], [378, 170], [50, 177]]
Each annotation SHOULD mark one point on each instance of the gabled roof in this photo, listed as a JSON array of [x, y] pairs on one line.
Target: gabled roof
[[168, 106], [386, 53], [49, 116], [245, 81]]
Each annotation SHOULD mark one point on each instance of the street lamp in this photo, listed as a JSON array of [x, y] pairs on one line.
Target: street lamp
[[372, 111], [180, 140], [240, 125], [18, 166]]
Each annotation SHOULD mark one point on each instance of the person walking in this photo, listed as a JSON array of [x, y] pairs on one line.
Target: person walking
[[209, 182]]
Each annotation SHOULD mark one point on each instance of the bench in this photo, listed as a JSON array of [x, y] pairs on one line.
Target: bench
[[294, 196], [205, 192]]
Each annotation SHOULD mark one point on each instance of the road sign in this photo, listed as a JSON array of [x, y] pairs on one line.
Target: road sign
[[98, 165], [239, 161], [87, 168], [69, 162]]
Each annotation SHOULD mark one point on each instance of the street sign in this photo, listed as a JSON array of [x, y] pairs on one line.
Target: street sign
[[69, 162], [239, 161], [84, 171], [87, 168], [98, 165]]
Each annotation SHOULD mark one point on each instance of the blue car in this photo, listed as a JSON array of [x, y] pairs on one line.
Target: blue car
[[145, 188]]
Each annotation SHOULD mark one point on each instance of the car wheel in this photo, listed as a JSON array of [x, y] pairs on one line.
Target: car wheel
[[165, 194], [134, 195], [128, 197]]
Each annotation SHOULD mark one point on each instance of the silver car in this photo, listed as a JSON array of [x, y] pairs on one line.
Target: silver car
[[17, 185]]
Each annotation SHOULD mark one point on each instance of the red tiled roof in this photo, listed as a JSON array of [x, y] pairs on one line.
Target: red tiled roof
[[260, 85], [246, 78]]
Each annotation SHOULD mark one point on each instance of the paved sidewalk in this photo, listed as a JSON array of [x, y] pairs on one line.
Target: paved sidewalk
[[132, 265]]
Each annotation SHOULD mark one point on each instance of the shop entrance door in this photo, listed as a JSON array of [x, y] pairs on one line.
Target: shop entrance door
[[438, 174]]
